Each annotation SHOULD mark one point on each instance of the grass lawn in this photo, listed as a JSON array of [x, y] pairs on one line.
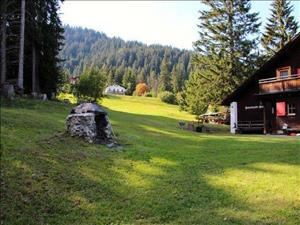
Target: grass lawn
[[164, 175]]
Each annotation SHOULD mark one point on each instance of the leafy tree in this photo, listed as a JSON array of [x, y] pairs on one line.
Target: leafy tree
[[224, 52], [281, 27], [91, 85], [141, 89], [164, 76]]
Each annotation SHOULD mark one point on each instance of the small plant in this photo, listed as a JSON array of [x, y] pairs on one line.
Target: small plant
[[167, 97]]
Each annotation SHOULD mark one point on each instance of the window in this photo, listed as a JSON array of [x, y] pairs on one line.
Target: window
[[283, 72], [291, 109]]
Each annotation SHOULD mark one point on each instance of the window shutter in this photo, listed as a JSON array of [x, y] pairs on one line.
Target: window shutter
[[280, 109]]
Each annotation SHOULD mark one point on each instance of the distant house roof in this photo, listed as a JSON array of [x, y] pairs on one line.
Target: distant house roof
[[114, 87], [272, 62]]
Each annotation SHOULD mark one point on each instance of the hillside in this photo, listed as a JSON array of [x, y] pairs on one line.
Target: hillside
[[164, 175], [85, 47]]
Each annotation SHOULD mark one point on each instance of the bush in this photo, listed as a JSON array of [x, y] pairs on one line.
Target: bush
[[141, 89], [91, 85], [167, 97], [65, 97], [148, 94]]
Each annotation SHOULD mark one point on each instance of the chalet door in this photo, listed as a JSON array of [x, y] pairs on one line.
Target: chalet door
[[270, 117]]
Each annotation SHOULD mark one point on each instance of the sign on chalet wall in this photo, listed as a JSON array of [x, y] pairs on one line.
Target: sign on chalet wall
[[254, 107]]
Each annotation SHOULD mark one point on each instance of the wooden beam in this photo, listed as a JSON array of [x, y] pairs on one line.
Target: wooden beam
[[264, 117]]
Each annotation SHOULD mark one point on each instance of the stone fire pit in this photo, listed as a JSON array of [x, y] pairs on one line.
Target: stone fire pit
[[90, 121]]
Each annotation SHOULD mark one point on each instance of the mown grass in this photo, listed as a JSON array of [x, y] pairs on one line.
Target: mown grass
[[164, 175]]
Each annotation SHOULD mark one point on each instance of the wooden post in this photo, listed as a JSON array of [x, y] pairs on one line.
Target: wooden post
[[265, 120]]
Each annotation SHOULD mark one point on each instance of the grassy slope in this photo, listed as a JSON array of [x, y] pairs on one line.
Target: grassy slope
[[163, 176]]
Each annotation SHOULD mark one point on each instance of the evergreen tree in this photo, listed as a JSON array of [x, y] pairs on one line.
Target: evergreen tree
[[141, 78], [129, 82], [33, 40], [21, 48], [176, 79], [281, 27], [110, 78], [3, 14], [224, 52], [164, 77], [153, 83]]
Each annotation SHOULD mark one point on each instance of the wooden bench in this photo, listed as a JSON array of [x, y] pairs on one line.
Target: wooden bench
[[250, 126]]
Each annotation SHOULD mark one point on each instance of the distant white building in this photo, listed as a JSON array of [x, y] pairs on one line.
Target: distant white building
[[115, 89]]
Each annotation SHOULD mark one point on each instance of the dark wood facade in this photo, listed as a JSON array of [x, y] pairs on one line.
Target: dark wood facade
[[269, 101]]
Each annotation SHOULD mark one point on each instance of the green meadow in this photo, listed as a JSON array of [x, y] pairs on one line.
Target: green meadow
[[163, 175]]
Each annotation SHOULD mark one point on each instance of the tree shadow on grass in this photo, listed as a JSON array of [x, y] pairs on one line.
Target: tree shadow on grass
[[163, 176]]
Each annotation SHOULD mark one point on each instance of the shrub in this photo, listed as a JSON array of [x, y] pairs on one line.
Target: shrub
[[148, 94], [167, 97], [65, 97], [141, 89], [91, 85]]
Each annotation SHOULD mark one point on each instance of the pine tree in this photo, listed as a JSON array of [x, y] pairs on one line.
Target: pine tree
[[153, 83], [195, 102], [177, 79], [33, 41], [129, 82], [224, 52], [164, 77], [281, 27], [141, 78]]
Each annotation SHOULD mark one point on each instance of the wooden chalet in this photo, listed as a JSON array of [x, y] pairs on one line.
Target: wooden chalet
[[269, 101]]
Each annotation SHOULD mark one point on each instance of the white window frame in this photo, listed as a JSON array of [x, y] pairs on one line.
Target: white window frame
[[291, 106]]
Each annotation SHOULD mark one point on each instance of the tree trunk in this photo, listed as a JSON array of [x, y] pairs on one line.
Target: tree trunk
[[34, 88], [3, 42], [21, 52]]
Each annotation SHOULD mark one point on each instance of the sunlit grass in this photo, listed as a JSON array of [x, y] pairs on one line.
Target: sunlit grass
[[164, 175]]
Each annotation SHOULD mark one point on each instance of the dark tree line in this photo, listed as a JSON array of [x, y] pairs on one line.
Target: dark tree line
[[126, 63], [31, 38]]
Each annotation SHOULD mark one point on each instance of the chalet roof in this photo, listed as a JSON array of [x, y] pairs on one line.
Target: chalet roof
[[290, 46]]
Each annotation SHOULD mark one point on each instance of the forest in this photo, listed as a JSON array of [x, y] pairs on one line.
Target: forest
[[87, 48]]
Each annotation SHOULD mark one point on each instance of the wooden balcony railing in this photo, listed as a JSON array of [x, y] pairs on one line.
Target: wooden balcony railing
[[275, 84]]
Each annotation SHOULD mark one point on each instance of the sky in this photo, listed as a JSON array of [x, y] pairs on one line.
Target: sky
[[172, 23]]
